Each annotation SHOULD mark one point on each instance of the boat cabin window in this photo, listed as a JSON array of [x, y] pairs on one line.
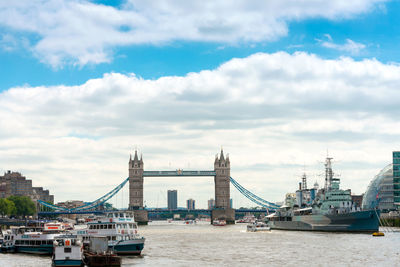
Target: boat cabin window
[[110, 226], [67, 250], [110, 215], [121, 215]]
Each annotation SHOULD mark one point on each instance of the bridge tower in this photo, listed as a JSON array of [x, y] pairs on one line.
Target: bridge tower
[[223, 210], [136, 189]]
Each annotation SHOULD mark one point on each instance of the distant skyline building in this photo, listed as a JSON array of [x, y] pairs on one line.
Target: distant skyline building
[[396, 179], [190, 204], [211, 203], [172, 199]]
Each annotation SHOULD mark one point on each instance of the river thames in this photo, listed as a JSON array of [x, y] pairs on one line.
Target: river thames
[[176, 244]]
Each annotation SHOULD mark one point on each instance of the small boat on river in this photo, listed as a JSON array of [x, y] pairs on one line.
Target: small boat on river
[[99, 254], [68, 251], [219, 223], [258, 227]]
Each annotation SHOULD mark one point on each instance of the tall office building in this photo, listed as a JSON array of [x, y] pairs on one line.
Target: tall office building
[[172, 199], [190, 203], [211, 203], [396, 178]]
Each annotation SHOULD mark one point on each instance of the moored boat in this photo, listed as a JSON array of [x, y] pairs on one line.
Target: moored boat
[[33, 240], [67, 251], [248, 218], [219, 223], [8, 241], [120, 229], [258, 227], [327, 209], [98, 253]]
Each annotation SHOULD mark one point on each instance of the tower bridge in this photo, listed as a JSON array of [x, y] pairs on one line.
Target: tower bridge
[[221, 174], [222, 181]]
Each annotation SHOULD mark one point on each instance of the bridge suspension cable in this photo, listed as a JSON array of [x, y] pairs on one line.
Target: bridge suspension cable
[[249, 195], [90, 205], [254, 198]]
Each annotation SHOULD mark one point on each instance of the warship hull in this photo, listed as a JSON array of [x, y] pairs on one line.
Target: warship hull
[[359, 221]]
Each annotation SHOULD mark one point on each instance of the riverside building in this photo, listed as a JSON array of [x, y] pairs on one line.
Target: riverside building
[[14, 184], [384, 189]]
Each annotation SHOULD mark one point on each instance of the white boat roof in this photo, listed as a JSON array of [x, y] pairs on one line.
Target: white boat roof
[[271, 215], [304, 209]]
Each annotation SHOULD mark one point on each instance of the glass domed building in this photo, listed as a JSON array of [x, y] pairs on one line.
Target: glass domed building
[[380, 191]]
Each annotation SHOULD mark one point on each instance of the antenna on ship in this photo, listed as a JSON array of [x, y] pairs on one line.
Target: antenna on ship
[[304, 178], [328, 173], [304, 181]]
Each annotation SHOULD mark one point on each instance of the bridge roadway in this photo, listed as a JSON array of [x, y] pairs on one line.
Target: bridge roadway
[[155, 211], [177, 173]]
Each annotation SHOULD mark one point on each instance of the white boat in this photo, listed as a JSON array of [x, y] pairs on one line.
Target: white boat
[[8, 241], [219, 223], [33, 240], [68, 251], [248, 218], [120, 229], [258, 226]]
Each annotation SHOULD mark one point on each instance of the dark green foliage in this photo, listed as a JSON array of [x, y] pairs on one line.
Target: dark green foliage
[[7, 207], [108, 206], [23, 205]]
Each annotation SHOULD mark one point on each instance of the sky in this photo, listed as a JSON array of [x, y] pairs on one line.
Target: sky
[[277, 84]]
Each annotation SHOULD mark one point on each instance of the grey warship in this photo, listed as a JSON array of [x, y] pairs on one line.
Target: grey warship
[[328, 209]]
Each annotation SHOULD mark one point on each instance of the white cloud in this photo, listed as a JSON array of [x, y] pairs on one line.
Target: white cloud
[[349, 46], [271, 112], [80, 32]]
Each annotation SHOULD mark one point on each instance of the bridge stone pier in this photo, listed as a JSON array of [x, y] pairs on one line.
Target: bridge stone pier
[[222, 210], [136, 170], [221, 175]]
